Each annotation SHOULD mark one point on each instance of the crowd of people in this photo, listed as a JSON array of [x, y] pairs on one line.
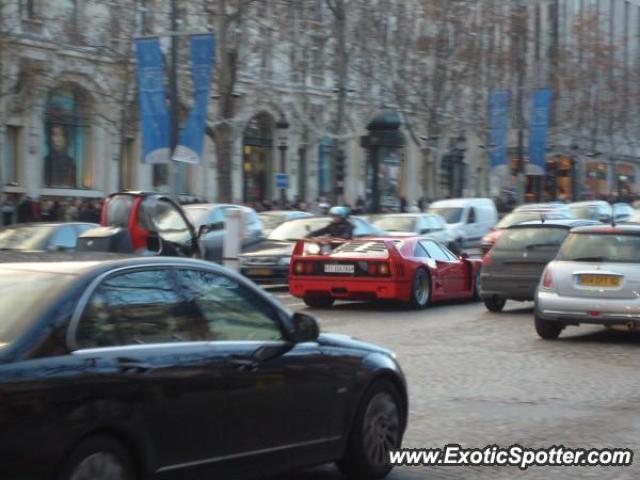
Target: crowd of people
[[27, 209]]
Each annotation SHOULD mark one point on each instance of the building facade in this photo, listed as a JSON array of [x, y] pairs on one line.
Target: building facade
[[69, 113]]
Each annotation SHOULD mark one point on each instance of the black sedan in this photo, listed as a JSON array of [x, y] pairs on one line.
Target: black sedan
[[176, 368], [43, 237], [513, 267], [268, 261]]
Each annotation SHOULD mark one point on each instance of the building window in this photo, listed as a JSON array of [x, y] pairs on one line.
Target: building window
[[12, 157], [66, 160], [143, 19], [28, 10], [72, 17]]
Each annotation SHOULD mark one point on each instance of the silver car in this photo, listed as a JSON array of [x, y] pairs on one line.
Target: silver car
[[430, 225], [595, 279]]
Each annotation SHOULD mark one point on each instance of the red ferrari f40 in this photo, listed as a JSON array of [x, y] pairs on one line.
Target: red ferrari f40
[[412, 270]]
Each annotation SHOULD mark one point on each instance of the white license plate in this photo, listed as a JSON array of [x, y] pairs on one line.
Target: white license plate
[[339, 268]]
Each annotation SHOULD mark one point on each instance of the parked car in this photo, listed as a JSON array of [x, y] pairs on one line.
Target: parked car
[[273, 218], [468, 219], [635, 217], [522, 214], [152, 368], [622, 212], [594, 280], [414, 271], [513, 267], [268, 261], [144, 222], [427, 224], [592, 210], [213, 215], [42, 237]]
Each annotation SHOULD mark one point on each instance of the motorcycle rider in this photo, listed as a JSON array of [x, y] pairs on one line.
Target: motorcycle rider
[[340, 226]]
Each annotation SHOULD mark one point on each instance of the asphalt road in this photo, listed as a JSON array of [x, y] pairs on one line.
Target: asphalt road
[[478, 379]]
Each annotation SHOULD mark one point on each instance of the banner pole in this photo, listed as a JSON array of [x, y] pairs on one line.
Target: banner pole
[[172, 180]]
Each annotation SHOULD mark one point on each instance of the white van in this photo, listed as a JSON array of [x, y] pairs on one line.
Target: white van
[[469, 219]]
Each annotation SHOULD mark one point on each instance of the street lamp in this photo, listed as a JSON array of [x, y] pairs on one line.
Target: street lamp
[[283, 144]]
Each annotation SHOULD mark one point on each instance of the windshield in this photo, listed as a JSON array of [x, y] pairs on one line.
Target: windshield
[[450, 215], [272, 220], [25, 237], [298, 229], [196, 214], [18, 293], [396, 223], [530, 238], [601, 247]]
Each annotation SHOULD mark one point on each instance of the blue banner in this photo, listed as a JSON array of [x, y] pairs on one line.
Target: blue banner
[[499, 104], [154, 116], [538, 130], [191, 143]]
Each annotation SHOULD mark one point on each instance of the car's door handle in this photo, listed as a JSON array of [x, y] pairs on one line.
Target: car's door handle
[[127, 365], [243, 364]]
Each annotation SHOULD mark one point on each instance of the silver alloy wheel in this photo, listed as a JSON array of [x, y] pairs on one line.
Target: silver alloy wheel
[[99, 466], [381, 428], [421, 289]]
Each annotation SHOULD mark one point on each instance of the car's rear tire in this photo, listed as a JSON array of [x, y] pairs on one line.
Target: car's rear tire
[[495, 303], [319, 301], [547, 329], [420, 290], [99, 457], [377, 428]]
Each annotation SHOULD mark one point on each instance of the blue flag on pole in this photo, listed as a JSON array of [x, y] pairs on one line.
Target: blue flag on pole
[[154, 116], [538, 130], [189, 149], [499, 104]]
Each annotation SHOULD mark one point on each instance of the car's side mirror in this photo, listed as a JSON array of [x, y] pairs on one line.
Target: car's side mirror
[[464, 256], [305, 328], [425, 230]]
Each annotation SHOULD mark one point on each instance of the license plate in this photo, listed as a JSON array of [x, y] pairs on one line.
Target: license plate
[[259, 272], [599, 281], [339, 269]]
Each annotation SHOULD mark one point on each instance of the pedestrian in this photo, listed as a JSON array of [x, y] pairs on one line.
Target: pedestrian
[[8, 210]]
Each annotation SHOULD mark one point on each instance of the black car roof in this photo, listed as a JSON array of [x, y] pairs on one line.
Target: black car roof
[[87, 262], [556, 222]]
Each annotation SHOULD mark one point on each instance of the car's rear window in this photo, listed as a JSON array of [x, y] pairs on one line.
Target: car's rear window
[[25, 237], [530, 238], [396, 223], [20, 291], [601, 247], [119, 210]]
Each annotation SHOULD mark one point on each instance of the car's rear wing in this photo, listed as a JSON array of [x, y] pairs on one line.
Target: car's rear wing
[[342, 249]]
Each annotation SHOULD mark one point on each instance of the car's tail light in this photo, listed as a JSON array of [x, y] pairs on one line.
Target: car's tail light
[[487, 260], [298, 267], [308, 267], [383, 269], [547, 279]]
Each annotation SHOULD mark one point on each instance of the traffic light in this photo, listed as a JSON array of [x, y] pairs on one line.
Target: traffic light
[[340, 172]]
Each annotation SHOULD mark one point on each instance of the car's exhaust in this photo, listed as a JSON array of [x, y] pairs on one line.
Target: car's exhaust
[[632, 325]]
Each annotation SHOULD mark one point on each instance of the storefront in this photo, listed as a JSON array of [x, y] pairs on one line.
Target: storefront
[[595, 180], [257, 159], [67, 162], [625, 179], [559, 178]]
